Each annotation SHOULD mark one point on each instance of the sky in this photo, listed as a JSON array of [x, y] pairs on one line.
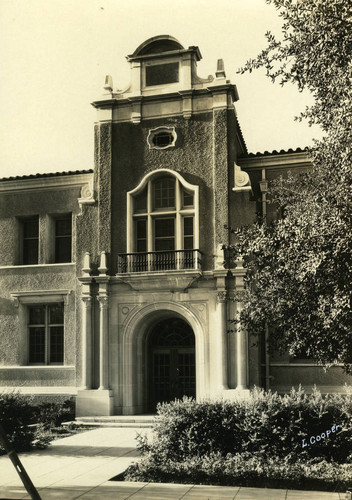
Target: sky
[[55, 55]]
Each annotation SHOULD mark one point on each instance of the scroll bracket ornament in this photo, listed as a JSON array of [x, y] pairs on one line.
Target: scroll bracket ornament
[[87, 194], [242, 180]]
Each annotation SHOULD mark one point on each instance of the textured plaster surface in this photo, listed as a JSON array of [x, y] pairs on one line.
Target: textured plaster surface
[[198, 140], [25, 204], [31, 376], [104, 187], [13, 334], [44, 203], [307, 375]]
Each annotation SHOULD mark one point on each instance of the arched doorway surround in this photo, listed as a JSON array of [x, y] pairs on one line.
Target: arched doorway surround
[[135, 352]]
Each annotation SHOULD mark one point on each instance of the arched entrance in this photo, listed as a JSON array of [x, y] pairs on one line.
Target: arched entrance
[[172, 366]]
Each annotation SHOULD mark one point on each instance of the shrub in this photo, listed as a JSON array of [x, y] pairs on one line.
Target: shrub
[[29, 425], [244, 470], [265, 424], [249, 439], [51, 415], [15, 417]]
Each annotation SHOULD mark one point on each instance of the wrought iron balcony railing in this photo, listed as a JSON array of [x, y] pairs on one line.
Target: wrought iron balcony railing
[[159, 261]]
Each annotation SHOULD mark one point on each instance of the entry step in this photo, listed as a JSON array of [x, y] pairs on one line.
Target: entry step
[[146, 421]]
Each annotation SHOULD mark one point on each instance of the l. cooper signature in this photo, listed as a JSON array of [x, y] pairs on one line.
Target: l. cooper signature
[[319, 437]]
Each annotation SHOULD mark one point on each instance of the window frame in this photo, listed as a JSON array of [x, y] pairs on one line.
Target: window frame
[[55, 218], [23, 300], [153, 132], [22, 222], [47, 325], [150, 214], [166, 60]]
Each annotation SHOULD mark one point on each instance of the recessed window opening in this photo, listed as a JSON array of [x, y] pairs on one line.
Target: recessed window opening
[[30, 240], [161, 74], [63, 238], [163, 225], [164, 234], [162, 139], [46, 334], [164, 193]]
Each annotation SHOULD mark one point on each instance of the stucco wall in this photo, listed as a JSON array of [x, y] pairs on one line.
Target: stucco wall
[[32, 203], [193, 157], [44, 276], [14, 331]]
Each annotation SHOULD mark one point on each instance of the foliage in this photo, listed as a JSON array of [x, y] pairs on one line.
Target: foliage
[[16, 417], [315, 54], [28, 425], [300, 266], [265, 423], [248, 440], [51, 415], [244, 470]]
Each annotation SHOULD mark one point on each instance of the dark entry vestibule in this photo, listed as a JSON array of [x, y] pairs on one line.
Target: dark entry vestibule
[[172, 361]]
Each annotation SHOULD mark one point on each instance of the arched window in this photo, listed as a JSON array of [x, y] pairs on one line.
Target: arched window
[[163, 214]]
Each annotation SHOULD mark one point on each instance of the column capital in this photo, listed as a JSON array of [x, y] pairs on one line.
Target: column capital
[[221, 296], [103, 301], [87, 301]]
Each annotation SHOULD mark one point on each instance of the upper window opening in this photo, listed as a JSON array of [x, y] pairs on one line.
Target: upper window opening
[[63, 238], [161, 74], [187, 199], [164, 234], [163, 227], [30, 240], [140, 201], [162, 138], [164, 193]]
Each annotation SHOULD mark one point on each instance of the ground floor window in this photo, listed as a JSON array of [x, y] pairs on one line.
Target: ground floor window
[[46, 333]]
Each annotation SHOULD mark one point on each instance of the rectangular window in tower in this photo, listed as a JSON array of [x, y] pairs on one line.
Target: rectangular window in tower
[[30, 240], [164, 238], [161, 74], [46, 334], [63, 239]]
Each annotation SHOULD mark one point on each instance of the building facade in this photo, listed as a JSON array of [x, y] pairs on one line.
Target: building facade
[[113, 285]]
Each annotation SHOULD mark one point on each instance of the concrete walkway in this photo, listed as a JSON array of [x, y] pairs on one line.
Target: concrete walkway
[[80, 466]]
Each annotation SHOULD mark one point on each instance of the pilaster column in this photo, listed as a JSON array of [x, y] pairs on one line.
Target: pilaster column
[[241, 353], [222, 345], [103, 342], [86, 342]]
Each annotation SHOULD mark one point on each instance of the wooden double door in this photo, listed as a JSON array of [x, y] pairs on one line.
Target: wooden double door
[[172, 361]]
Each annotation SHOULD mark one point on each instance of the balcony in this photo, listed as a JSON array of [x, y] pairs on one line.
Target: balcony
[[159, 261]]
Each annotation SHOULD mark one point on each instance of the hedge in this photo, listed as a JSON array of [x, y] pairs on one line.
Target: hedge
[[28, 425], [243, 470], [198, 437]]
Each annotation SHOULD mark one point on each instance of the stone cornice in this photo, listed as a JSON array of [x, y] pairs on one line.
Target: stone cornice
[[162, 55], [45, 183], [42, 296], [116, 101]]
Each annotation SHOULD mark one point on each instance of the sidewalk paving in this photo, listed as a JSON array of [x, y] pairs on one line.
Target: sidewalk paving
[[80, 466]]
